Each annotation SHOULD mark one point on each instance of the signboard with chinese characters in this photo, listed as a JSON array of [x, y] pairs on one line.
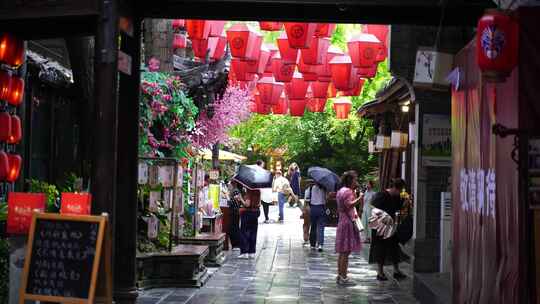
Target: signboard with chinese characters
[[20, 208], [436, 140], [75, 203]]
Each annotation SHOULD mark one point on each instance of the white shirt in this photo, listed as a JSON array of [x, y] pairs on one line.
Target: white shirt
[[280, 184], [316, 195], [266, 195]]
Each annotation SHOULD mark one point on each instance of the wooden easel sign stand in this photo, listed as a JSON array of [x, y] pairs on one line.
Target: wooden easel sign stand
[[63, 259]]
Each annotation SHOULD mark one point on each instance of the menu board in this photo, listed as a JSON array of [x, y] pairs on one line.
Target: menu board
[[62, 258], [75, 203], [20, 209]]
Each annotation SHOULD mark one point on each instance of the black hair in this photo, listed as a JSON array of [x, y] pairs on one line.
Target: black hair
[[259, 162], [398, 183], [347, 178], [207, 177]]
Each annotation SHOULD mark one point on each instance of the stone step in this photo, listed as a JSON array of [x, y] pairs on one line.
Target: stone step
[[214, 241]]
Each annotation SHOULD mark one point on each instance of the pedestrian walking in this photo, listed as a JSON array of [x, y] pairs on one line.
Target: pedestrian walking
[[347, 234], [316, 195], [233, 222], [366, 212], [293, 175], [249, 223], [280, 185], [266, 197], [384, 243]]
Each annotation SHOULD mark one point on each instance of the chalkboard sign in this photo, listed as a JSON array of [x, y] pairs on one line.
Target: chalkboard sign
[[63, 258]]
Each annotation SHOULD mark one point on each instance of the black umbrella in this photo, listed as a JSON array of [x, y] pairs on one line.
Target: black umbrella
[[324, 177], [253, 177]]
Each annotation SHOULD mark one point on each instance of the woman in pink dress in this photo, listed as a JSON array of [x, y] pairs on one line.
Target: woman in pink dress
[[347, 236]]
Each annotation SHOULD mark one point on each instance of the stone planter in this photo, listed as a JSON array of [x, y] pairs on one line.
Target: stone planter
[[183, 267], [214, 241]]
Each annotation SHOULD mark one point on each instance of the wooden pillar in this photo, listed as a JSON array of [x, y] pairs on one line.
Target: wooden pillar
[[125, 268]]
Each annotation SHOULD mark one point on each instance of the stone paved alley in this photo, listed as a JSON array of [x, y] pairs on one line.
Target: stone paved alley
[[286, 272]]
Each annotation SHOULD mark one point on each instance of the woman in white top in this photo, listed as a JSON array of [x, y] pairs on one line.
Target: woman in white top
[[279, 185]]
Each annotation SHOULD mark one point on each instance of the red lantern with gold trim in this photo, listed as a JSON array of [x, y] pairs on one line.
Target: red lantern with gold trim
[[241, 39], [198, 29], [342, 107], [282, 106], [179, 41], [178, 24], [300, 34], [5, 85], [199, 46], [316, 53], [341, 67], [4, 166], [288, 54], [269, 90], [297, 88], [316, 105], [325, 30], [16, 130], [12, 50], [363, 49], [270, 26], [282, 72], [5, 126], [497, 45], [15, 162]]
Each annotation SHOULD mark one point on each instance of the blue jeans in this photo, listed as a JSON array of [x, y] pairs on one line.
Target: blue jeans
[[318, 222], [248, 230], [282, 199]]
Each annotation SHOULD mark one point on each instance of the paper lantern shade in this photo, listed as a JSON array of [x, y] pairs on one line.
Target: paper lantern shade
[[16, 91], [4, 166], [5, 126], [323, 70], [282, 106], [217, 47], [270, 26], [282, 72], [363, 49], [341, 67], [216, 28], [310, 77], [198, 29], [356, 88], [288, 54], [239, 67], [382, 53], [258, 66], [5, 85], [297, 88], [262, 108], [325, 30], [316, 105], [240, 38], [179, 41], [272, 49], [320, 89], [12, 50], [497, 45], [178, 24], [300, 34], [306, 68], [297, 107], [367, 72], [316, 53], [378, 30], [342, 108], [15, 162], [200, 47], [332, 91], [16, 130], [269, 90]]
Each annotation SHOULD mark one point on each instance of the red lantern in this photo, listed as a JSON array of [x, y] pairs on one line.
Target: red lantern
[[217, 47], [320, 89], [4, 166], [178, 24], [297, 88], [15, 162], [5, 126], [199, 46], [369, 72], [355, 90], [273, 50], [269, 90], [332, 91], [323, 70], [300, 34], [5, 85], [179, 41], [262, 108], [310, 77], [341, 67], [316, 53], [306, 68], [240, 38], [297, 107], [239, 68], [282, 72], [12, 51], [16, 91], [378, 30], [342, 108], [254, 51], [497, 43], [264, 59], [198, 29], [288, 54], [325, 30], [363, 49], [16, 130], [316, 105], [281, 107], [216, 28], [270, 26]]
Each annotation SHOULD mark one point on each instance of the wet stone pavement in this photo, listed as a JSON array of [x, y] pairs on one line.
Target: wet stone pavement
[[286, 272]]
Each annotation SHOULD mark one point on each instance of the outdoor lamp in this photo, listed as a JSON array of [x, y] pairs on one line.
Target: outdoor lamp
[[300, 34], [320, 89], [15, 162], [316, 53], [241, 39], [179, 41], [16, 91], [342, 106], [269, 90], [4, 166], [5, 85], [497, 44], [282, 106], [217, 47], [199, 46], [325, 30], [178, 24], [316, 105], [282, 72], [270, 26], [12, 51], [216, 27], [405, 108], [288, 54], [198, 29], [5, 126], [363, 49], [16, 130], [341, 67], [297, 107], [297, 88]]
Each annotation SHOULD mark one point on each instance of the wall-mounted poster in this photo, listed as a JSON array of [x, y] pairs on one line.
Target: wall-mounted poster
[[153, 179], [155, 196], [166, 176], [143, 173], [436, 132]]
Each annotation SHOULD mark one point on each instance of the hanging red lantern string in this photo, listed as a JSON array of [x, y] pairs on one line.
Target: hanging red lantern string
[[316, 105], [240, 38], [198, 29], [200, 47], [297, 88], [282, 72], [272, 49], [323, 71], [325, 30], [300, 34], [341, 67], [269, 90], [297, 107], [282, 106], [369, 72], [5, 85], [16, 130], [12, 50], [5, 126], [177, 24], [363, 49], [16, 91], [179, 41], [270, 26], [320, 89], [239, 69], [288, 55], [342, 107], [15, 162], [497, 45], [217, 47], [4, 166], [216, 28], [316, 53]]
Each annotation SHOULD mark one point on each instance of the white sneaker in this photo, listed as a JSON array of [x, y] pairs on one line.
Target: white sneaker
[[306, 243], [236, 249], [244, 256], [251, 255], [320, 248], [345, 281]]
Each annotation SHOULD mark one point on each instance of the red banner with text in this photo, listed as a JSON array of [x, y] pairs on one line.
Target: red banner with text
[[76, 203], [20, 209]]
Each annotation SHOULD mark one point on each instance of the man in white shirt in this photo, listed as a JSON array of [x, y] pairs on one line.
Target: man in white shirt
[[316, 195], [279, 185]]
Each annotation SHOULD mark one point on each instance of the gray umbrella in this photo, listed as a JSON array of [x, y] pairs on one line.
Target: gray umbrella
[[253, 177], [324, 177]]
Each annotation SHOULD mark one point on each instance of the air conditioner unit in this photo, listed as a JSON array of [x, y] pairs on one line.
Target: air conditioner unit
[[445, 261]]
